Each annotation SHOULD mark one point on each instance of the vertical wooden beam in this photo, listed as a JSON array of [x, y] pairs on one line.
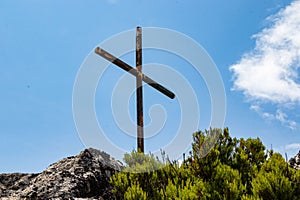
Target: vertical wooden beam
[[139, 91]]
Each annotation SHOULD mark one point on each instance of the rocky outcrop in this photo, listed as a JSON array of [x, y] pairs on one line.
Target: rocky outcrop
[[295, 161], [10, 184], [85, 176]]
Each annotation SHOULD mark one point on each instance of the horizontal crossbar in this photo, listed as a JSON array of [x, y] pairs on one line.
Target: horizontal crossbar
[[134, 72]]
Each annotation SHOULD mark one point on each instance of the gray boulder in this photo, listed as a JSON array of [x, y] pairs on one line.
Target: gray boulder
[[85, 176]]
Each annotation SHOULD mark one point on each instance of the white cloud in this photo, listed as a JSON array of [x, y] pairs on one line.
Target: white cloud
[[267, 115], [283, 118], [255, 108], [293, 146], [269, 73], [278, 115]]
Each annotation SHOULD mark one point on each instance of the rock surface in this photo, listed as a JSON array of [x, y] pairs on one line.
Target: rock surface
[[295, 161], [85, 176]]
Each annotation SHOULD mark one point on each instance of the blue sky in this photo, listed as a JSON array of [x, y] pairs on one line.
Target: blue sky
[[43, 44]]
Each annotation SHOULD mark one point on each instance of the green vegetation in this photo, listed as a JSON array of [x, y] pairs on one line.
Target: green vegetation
[[232, 169]]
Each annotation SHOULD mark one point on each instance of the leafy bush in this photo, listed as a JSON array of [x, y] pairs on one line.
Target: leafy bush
[[218, 167]]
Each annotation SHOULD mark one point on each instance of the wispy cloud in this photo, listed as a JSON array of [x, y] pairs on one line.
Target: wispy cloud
[[269, 73], [278, 115], [293, 146]]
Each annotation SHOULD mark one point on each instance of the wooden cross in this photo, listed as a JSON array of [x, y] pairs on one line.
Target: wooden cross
[[140, 77]]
